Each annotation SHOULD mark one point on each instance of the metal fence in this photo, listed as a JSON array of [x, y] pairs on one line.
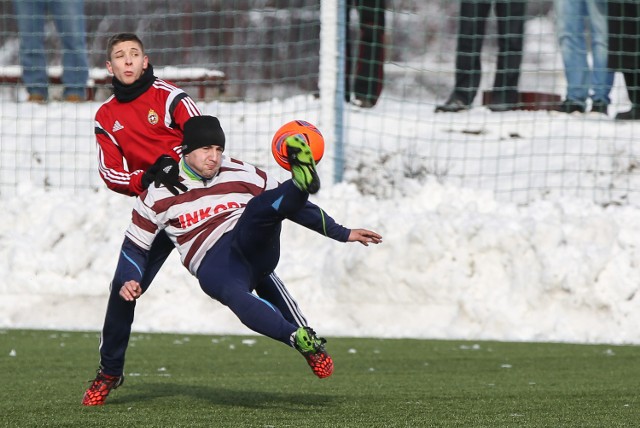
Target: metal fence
[[274, 55]]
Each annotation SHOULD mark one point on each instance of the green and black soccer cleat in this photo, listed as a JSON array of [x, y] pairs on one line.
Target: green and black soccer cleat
[[312, 349], [303, 166]]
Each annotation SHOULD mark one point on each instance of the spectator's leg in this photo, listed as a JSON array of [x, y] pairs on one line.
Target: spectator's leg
[[602, 76], [471, 30], [31, 16], [511, 18], [369, 76], [630, 54], [348, 69], [632, 80], [70, 23], [570, 26]]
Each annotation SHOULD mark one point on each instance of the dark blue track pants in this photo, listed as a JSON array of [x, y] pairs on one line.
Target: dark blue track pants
[[248, 254], [119, 316]]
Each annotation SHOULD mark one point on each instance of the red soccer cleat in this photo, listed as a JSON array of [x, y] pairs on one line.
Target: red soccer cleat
[[100, 388]]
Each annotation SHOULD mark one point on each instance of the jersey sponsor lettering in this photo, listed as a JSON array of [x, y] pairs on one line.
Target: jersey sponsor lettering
[[189, 219], [196, 219]]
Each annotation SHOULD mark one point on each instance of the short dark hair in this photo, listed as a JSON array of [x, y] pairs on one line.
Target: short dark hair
[[119, 38]]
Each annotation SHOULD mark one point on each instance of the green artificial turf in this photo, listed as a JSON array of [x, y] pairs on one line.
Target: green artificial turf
[[236, 381]]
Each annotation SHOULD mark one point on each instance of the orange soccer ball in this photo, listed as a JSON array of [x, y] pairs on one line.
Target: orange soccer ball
[[309, 132]]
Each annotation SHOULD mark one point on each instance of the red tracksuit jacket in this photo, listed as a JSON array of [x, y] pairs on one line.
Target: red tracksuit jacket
[[132, 135]]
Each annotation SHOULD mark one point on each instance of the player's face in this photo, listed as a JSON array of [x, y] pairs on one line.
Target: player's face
[[128, 62], [205, 161]]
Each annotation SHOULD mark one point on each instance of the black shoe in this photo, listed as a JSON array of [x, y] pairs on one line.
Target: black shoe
[[452, 106], [599, 107], [633, 114], [569, 106]]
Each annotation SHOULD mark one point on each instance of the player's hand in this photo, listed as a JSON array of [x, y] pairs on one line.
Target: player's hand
[[150, 174], [165, 171], [364, 236], [130, 291]]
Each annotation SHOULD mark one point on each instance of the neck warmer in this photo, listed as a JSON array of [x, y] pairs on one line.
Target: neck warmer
[[126, 93], [192, 174], [189, 171]]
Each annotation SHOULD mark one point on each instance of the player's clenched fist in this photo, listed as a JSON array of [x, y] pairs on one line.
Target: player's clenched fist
[[130, 291]]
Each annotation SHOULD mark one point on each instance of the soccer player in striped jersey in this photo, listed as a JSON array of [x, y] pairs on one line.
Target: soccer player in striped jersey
[[139, 133], [226, 227]]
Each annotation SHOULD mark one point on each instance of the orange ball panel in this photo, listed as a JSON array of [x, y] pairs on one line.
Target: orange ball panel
[[300, 127]]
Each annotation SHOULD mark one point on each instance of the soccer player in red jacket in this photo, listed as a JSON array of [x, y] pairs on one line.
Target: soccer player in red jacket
[[139, 133]]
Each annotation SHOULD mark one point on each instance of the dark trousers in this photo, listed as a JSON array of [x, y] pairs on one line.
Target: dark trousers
[[116, 330], [365, 60], [243, 257], [471, 30], [632, 81], [624, 44]]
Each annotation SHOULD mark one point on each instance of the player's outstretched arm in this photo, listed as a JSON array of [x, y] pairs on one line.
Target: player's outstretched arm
[[364, 236], [130, 290]]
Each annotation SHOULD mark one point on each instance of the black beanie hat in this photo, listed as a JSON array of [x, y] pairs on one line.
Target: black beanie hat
[[201, 131]]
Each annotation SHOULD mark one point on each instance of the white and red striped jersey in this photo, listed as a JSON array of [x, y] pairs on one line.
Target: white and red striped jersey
[[197, 218], [132, 135]]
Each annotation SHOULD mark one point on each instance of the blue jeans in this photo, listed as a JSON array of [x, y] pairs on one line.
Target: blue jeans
[[571, 18], [68, 16]]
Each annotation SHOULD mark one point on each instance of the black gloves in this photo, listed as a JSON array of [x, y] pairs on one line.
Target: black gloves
[[164, 171]]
